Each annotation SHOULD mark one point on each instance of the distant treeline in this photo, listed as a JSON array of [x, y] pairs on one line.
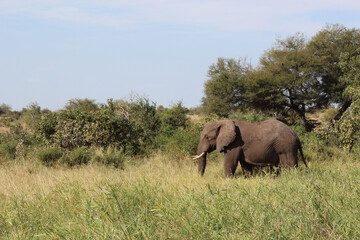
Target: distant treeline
[[129, 128], [293, 79]]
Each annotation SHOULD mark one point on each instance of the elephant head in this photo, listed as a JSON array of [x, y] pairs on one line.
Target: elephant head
[[215, 135]]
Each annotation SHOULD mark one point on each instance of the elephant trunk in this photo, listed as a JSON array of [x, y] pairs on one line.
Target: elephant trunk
[[202, 163], [202, 151]]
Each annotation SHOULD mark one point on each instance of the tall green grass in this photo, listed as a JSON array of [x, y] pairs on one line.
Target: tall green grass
[[164, 198]]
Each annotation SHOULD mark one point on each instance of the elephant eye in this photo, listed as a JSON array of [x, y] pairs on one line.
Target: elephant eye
[[207, 137]]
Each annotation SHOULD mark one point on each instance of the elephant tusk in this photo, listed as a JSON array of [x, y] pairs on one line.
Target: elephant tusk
[[199, 156]]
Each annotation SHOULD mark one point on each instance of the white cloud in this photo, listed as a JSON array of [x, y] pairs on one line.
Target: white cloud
[[229, 15]]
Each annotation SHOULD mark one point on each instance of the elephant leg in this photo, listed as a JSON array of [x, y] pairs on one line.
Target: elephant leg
[[288, 160], [231, 162], [247, 168]]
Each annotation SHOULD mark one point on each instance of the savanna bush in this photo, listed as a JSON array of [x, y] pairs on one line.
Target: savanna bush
[[343, 133], [327, 134], [152, 125], [31, 115], [8, 149], [112, 157], [171, 119], [78, 156], [136, 127], [22, 135], [50, 156], [184, 141], [70, 129], [249, 116], [145, 123]]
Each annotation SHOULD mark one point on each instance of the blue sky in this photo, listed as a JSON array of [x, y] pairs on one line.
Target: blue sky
[[53, 51]]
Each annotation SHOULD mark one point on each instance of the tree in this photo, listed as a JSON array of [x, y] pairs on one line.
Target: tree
[[85, 104], [171, 119], [226, 85], [347, 128], [4, 109], [285, 81], [296, 75], [349, 124], [326, 48], [350, 65], [141, 111], [32, 114]]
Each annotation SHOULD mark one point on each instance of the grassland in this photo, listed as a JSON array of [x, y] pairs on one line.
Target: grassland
[[165, 198]]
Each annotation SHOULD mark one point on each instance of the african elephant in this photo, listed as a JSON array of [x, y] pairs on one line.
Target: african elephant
[[269, 143]]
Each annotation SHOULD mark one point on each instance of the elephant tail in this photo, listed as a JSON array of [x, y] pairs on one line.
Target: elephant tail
[[301, 153]]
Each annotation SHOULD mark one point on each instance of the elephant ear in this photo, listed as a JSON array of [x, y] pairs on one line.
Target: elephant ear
[[226, 135]]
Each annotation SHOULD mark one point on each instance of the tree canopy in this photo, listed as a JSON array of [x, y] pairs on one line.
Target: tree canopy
[[226, 85], [296, 75]]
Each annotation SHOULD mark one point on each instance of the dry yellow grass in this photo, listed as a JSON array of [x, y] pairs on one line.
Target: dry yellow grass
[[26, 178], [165, 198], [196, 118]]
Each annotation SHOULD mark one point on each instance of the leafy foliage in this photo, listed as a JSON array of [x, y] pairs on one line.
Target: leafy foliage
[[327, 134], [286, 80], [172, 119], [348, 126], [31, 114], [112, 157], [249, 116], [184, 142], [4, 109], [74, 128], [142, 114], [79, 156], [296, 75], [326, 47], [226, 86], [85, 105], [135, 127], [50, 156], [8, 149]]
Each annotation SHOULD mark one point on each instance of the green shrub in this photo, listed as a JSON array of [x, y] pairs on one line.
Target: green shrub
[[2, 138], [31, 115], [8, 149], [329, 114], [22, 135], [112, 157], [343, 133], [85, 105], [46, 126], [4, 109], [142, 113], [213, 117], [70, 129], [184, 141], [172, 119], [50, 156], [326, 133], [298, 129], [79, 156], [249, 116]]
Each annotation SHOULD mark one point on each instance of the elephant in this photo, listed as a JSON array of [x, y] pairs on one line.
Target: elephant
[[268, 143]]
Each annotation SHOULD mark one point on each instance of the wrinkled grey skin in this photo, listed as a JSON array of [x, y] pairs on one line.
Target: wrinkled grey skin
[[269, 143]]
